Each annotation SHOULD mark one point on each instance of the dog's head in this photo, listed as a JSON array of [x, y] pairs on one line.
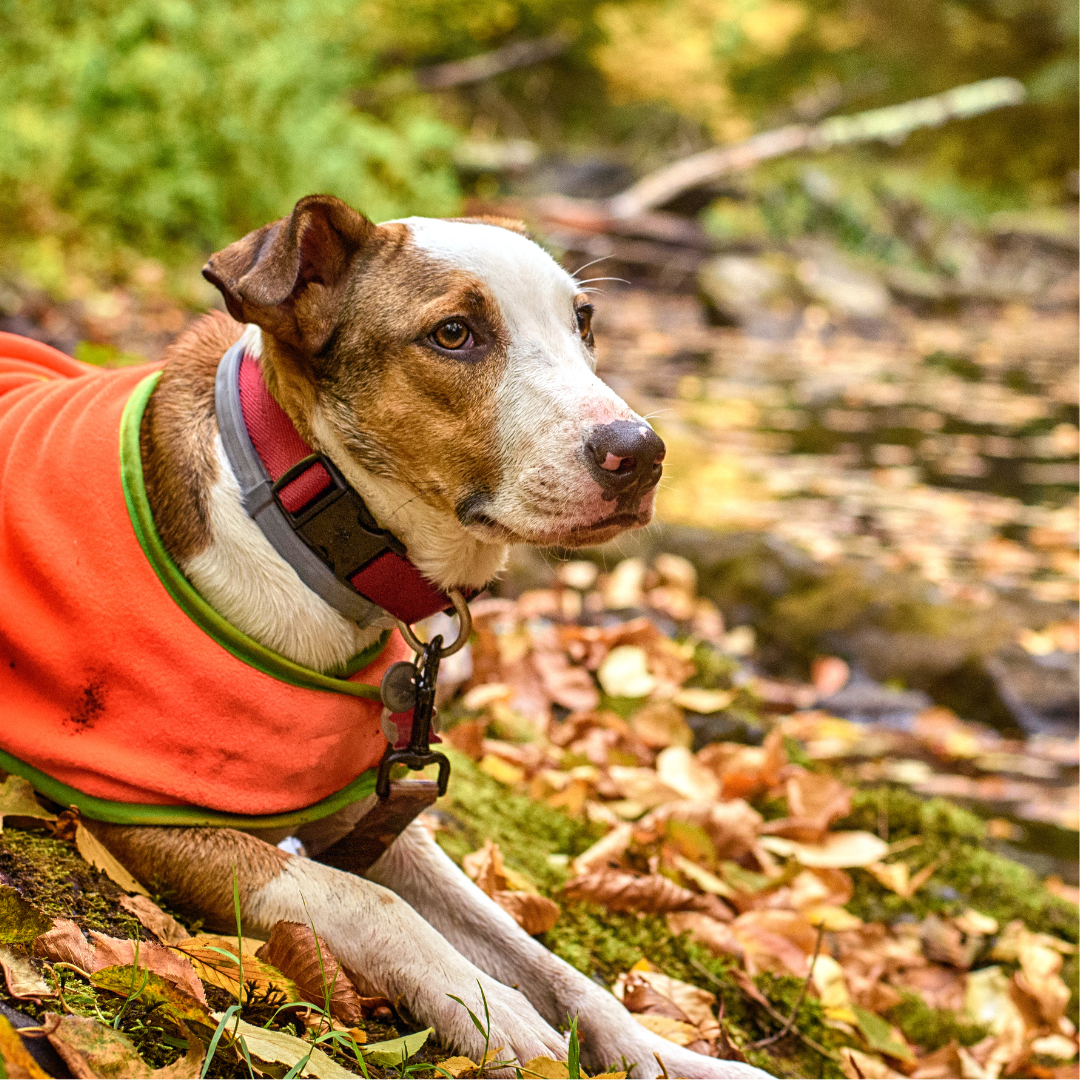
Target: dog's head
[[447, 367]]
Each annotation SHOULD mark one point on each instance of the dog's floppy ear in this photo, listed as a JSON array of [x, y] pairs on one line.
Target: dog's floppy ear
[[287, 276]]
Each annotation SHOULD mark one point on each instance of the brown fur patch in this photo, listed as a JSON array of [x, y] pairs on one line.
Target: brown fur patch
[[176, 439], [195, 864]]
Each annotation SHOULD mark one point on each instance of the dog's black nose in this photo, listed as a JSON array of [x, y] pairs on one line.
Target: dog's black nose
[[624, 457]]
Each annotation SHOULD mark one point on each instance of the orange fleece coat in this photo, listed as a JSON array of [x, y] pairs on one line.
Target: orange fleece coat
[[116, 679]]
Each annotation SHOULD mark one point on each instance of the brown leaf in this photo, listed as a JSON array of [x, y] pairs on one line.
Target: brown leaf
[[485, 867], [468, 738], [113, 952], [92, 1050], [677, 1031], [65, 944], [622, 890], [295, 951], [732, 826], [24, 981], [679, 769], [16, 1058], [217, 969], [158, 922], [640, 997], [661, 724], [17, 800], [712, 933], [99, 856], [534, 914], [815, 801], [859, 1066], [942, 1064], [607, 852], [746, 770], [779, 941]]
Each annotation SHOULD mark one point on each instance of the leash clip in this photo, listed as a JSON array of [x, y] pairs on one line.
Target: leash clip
[[418, 754]]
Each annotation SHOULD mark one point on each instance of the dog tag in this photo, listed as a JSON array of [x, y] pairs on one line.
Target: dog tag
[[398, 687]]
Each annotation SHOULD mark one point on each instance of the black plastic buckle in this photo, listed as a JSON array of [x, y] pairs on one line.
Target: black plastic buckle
[[336, 524], [418, 753]]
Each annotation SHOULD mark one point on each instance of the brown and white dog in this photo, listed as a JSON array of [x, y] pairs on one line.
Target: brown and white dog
[[446, 367]]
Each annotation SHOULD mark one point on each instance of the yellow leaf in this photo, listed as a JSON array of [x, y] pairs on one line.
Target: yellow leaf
[[218, 970], [501, 770], [676, 1031], [832, 918], [828, 979], [457, 1066], [838, 849], [704, 701], [546, 1067], [99, 856]]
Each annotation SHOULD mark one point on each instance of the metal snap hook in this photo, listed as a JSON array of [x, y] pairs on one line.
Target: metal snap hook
[[461, 609]]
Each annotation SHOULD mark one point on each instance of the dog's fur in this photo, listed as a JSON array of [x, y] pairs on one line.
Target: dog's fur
[[460, 453]]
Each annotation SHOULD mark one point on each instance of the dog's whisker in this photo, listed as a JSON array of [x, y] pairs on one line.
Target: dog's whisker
[[588, 264], [589, 281]]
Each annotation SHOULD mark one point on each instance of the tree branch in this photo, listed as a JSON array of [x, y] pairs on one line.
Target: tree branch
[[891, 124], [477, 68]]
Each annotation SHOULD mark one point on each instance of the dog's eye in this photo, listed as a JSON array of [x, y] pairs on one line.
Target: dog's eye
[[584, 320], [452, 334]]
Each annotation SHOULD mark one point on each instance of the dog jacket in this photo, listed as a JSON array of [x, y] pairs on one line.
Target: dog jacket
[[121, 690]]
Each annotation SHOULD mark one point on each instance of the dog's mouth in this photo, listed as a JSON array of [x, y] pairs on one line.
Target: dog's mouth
[[575, 535]]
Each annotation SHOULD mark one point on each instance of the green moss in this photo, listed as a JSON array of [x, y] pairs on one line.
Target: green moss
[[932, 1028], [971, 876], [53, 876], [600, 943]]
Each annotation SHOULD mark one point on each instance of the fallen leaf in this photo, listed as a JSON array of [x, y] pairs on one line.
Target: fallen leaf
[[943, 1064], [974, 922], [859, 1066], [701, 701], [485, 867], [158, 922], [774, 940], [92, 1050], [501, 770], [607, 852], [205, 951], [99, 856], [16, 1058], [641, 786], [284, 1049], [828, 674], [17, 800], [831, 986], [660, 724], [693, 1003], [468, 738], [676, 1031], [898, 878], [64, 943], [154, 990], [394, 1051], [881, 1036], [942, 941], [839, 849], [732, 826], [20, 921], [456, 1067], [623, 586], [704, 879], [533, 913], [113, 952], [681, 771], [547, 1067], [24, 981], [624, 672], [1055, 1046], [304, 959], [622, 890], [712, 933], [814, 802], [832, 918]]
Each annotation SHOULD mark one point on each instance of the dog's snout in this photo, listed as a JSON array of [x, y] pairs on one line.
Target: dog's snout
[[624, 457]]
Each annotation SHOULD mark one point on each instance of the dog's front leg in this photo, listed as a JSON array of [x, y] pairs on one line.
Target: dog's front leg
[[417, 869], [376, 935]]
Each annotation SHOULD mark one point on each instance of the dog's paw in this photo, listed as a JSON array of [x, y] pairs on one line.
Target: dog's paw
[[514, 1025]]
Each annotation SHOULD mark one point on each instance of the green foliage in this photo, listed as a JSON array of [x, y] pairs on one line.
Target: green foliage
[[932, 1028], [166, 125]]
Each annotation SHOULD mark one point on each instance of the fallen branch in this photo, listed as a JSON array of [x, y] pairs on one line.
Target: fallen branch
[[477, 68], [891, 124]]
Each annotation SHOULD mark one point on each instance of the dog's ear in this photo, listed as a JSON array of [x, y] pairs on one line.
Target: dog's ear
[[287, 276]]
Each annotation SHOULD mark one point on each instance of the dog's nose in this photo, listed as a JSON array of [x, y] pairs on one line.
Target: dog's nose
[[624, 457]]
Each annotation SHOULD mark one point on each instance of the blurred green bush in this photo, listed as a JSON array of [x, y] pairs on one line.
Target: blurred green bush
[[177, 125]]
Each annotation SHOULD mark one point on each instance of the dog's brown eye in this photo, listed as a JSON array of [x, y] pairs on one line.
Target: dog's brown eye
[[453, 334], [584, 320]]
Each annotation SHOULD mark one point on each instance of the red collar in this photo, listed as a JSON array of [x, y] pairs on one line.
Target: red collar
[[368, 560]]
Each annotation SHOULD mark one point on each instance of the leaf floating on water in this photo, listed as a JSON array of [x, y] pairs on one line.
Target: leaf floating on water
[[294, 951], [20, 921]]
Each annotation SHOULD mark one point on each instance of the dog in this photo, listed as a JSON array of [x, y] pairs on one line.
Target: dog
[[443, 372]]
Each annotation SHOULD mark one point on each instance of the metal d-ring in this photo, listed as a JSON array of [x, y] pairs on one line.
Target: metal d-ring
[[461, 608]]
